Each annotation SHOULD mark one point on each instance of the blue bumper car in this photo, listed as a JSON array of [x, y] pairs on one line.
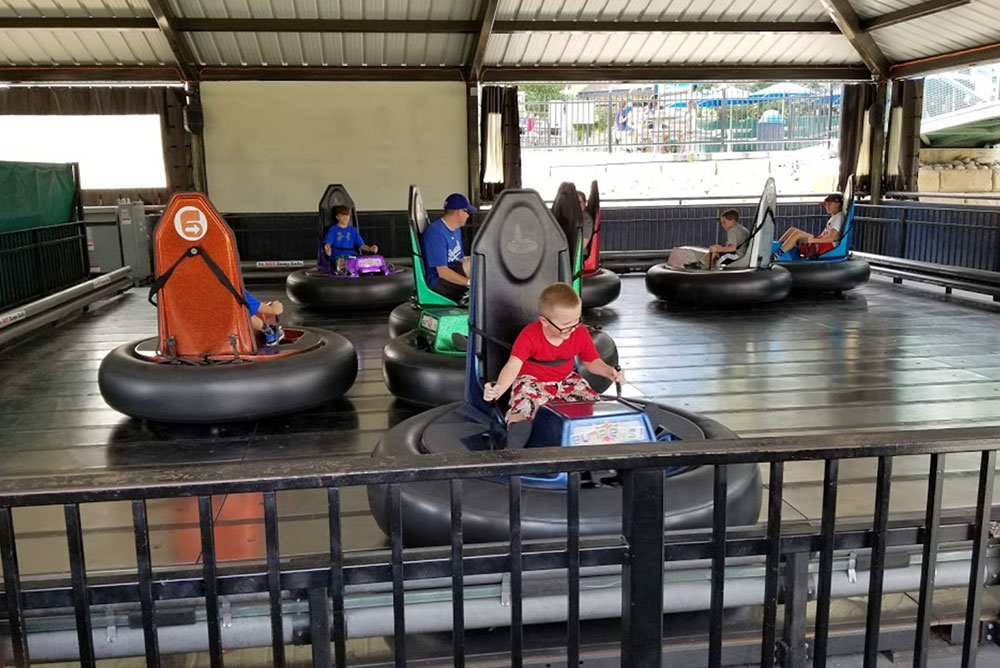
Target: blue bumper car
[[835, 270]]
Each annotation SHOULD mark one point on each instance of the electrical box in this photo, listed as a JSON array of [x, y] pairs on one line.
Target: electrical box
[[136, 235], [120, 236]]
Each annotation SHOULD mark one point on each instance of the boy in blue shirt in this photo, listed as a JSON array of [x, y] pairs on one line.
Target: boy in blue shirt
[[343, 240], [448, 269], [258, 312]]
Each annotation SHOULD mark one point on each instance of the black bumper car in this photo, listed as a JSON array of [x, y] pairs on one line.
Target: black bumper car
[[507, 278], [425, 364], [751, 279], [365, 282], [207, 365]]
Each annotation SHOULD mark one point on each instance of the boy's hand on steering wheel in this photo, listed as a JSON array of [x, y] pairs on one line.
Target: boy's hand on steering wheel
[[490, 392]]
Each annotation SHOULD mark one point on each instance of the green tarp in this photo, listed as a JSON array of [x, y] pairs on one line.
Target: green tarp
[[36, 194]]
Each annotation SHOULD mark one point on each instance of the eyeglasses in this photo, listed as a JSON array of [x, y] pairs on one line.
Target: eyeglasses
[[563, 330]]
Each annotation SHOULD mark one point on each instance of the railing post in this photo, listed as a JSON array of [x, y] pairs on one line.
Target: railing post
[[642, 576], [611, 119], [319, 627], [902, 233], [794, 650]]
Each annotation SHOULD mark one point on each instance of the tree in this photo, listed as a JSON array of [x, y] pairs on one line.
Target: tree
[[543, 92]]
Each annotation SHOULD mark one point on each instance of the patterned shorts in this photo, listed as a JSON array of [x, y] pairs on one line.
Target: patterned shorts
[[529, 393]]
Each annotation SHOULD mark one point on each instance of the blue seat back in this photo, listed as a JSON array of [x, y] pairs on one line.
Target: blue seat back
[[843, 247]]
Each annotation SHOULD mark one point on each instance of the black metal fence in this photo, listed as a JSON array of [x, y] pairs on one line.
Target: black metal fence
[[39, 261], [324, 582], [959, 235]]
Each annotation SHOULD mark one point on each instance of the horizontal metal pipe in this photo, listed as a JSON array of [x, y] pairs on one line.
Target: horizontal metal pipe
[[600, 598], [19, 321], [908, 195]]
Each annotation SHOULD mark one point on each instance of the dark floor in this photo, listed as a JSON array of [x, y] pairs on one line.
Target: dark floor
[[882, 357]]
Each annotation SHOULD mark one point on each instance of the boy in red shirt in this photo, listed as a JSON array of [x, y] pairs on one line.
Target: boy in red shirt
[[541, 362]]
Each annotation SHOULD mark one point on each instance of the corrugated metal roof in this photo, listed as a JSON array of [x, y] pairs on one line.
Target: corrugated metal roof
[[975, 24], [84, 47], [228, 49], [74, 8], [652, 10], [564, 49], [327, 9], [972, 25]]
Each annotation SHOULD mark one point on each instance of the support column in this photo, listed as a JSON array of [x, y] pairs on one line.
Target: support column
[[472, 139], [194, 124], [878, 143]]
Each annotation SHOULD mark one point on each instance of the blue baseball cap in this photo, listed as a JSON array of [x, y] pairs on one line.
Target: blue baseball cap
[[459, 202]]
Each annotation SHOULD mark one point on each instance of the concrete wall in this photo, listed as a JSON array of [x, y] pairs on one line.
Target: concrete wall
[[959, 170], [274, 146]]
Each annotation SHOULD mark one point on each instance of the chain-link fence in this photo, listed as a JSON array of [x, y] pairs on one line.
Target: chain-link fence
[[960, 90], [778, 118]]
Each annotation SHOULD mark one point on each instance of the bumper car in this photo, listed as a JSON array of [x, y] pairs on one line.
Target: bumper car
[[752, 279], [368, 282], [512, 263], [425, 364], [600, 286], [207, 364], [835, 270]]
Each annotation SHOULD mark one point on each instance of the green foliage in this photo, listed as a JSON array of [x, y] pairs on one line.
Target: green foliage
[[543, 92]]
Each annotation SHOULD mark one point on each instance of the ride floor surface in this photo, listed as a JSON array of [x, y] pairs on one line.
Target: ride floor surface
[[880, 357]]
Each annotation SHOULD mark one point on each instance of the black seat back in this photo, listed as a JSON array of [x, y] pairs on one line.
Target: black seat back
[[518, 251], [594, 214], [566, 209], [335, 195]]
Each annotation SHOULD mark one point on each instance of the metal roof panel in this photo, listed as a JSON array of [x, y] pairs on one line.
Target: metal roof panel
[[540, 48], [227, 49], [326, 9], [969, 26], [652, 10], [84, 47], [74, 8]]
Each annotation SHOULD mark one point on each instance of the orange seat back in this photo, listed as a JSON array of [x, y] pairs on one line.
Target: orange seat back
[[198, 314]]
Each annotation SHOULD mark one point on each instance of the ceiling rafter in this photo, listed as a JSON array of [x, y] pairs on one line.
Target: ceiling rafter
[[178, 46], [477, 54], [910, 13], [847, 21]]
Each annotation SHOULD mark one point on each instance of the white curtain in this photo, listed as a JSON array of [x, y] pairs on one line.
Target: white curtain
[[895, 141], [865, 151], [494, 149]]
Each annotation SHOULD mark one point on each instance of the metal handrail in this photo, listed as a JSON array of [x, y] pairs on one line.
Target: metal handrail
[[336, 471], [910, 195]]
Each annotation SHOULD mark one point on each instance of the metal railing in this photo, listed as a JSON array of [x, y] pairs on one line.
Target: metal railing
[[39, 261], [311, 599], [957, 236], [724, 120]]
